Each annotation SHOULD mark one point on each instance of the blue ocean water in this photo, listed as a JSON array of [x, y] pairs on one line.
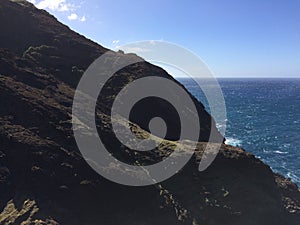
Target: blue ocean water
[[263, 117]]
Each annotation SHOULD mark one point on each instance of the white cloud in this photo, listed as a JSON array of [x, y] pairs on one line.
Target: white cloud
[[64, 8], [73, 16], [116, 42], [54, 5], [51, 4], [59, 6], [83, 19]]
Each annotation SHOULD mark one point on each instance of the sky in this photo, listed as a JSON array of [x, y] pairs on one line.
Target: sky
[[235, 38]]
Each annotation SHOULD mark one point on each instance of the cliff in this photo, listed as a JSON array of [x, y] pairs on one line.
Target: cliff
[[45, 180]]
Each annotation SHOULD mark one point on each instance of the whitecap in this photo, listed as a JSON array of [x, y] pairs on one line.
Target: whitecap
[[286, 145], [220, 125], [280, 152], [293, 177], [233, 141]]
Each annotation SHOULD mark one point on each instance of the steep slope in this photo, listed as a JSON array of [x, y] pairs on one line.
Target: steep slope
[[53, 49], [43, 177]]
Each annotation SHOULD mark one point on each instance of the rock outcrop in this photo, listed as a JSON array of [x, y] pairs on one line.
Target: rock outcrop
[[45, 180]]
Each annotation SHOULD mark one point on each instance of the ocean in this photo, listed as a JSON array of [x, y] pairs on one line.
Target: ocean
[[263, 117]]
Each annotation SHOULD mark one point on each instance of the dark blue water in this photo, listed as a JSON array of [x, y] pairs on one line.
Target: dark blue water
[[263, 117]]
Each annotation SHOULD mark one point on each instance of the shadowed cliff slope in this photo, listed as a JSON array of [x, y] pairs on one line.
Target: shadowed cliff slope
[[43, 177]]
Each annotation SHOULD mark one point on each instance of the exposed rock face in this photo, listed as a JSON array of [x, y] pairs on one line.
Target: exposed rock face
[[43, 177]]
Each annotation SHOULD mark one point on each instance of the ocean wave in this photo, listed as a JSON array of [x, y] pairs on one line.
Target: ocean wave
[[233, 141], [280, 152], [293, 177]]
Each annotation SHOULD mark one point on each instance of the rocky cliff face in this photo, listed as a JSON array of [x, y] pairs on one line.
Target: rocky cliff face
[[45, 180]]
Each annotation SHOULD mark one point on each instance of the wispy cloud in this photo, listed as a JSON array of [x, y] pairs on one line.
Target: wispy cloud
[[116, 42], [83, 19], [65, 8]]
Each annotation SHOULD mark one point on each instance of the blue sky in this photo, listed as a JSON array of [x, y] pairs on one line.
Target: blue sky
[[235, 38]]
